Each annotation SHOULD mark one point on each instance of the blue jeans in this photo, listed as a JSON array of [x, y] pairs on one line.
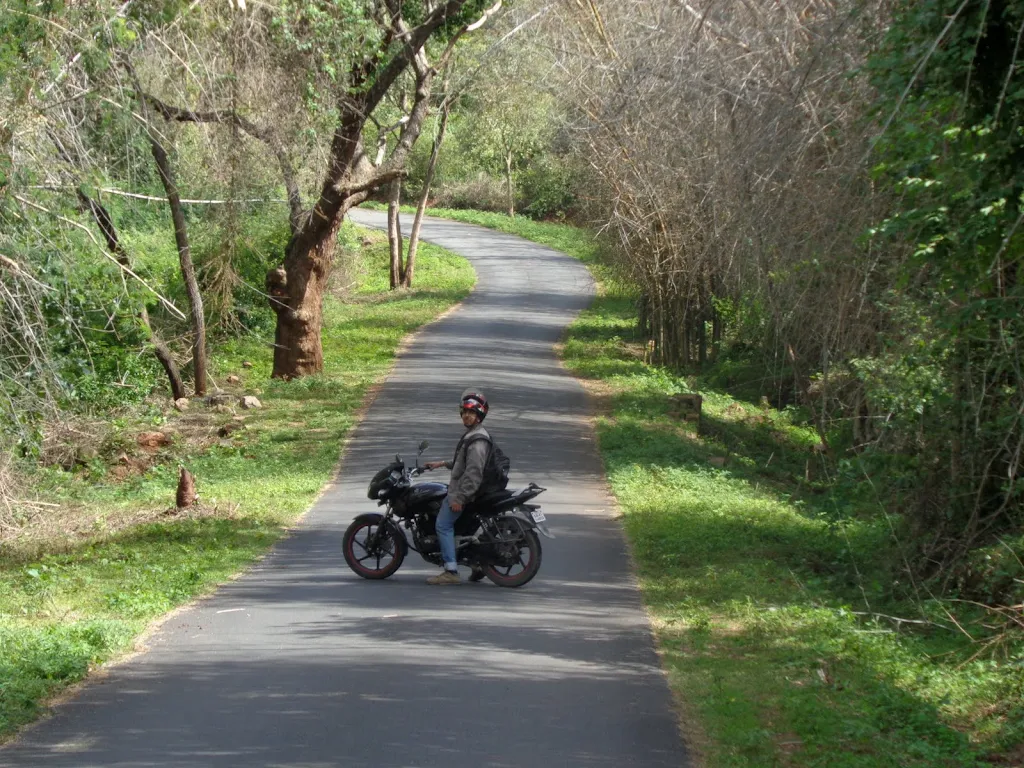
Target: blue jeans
[[445, 528]]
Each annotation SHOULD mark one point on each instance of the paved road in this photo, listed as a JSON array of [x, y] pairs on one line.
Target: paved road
[[302, 664]]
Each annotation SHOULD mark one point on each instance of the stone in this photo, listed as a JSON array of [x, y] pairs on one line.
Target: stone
[[182, 403], [250, 402], [232, 379], [246, 364]]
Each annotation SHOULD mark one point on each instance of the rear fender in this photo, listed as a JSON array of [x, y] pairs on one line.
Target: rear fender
[[396, 532], [527, 521]]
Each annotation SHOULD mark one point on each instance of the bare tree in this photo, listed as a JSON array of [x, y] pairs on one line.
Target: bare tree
[[428, 178], [188, 271], [724, 144]]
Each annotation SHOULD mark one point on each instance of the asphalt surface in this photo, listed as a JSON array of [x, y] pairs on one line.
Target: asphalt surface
[[301, 663]]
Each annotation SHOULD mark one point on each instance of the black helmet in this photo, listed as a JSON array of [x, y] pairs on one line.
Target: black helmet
[[474, 401]]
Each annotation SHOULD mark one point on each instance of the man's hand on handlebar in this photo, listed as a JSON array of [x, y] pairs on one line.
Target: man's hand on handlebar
[[433, 465]]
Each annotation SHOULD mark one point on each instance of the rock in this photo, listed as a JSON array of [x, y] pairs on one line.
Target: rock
[[182, 403], [152, 439], [246, 364], [249, 402], [717, 461], [232, 379]]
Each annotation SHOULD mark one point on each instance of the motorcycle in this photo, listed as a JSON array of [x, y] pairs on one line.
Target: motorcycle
[[496, 534]]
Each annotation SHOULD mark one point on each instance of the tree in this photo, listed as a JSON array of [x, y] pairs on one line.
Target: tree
[[296, 288], [428, 178], [188, 271], [513, 118]]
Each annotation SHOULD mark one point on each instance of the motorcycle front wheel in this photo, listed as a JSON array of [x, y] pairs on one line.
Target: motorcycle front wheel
[[370, 551], [519, 556]]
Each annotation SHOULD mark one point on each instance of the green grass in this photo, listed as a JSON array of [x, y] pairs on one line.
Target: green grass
[[71, 602], [766, 587]]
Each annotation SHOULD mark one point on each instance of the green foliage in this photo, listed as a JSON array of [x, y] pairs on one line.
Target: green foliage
[[949, 373], [326, 38], [546, 186]]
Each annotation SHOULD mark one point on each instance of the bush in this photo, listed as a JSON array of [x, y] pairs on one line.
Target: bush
[[480, 192], [547, 188]]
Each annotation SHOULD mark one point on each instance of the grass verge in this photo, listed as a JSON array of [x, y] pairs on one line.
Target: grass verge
[[118, 555], [771, 589]]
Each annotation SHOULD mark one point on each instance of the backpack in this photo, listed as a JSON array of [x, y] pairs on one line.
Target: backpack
[[495, 468]]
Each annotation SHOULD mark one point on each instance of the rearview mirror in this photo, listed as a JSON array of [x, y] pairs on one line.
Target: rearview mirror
[[423, 446]]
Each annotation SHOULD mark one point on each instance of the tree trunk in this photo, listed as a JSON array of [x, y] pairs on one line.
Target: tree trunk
[[296, 292], [395, 232], [188, 272], [509, 186], [102, 218], [417, 222]]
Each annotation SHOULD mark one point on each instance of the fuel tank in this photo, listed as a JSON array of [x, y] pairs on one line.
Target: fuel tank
[[424, 493]]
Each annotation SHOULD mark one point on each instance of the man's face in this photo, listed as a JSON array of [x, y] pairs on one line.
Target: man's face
[[469, 418]]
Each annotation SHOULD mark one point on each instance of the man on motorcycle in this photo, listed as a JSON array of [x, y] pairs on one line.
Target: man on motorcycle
[[467, 475]]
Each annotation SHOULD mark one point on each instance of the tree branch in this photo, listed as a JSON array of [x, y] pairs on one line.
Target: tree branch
[[267, 136]]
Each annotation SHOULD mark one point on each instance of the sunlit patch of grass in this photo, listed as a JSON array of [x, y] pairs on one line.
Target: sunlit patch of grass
[[69, 603]]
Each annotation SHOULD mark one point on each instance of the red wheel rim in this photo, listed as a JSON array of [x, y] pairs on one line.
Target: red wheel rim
[[357, 562]]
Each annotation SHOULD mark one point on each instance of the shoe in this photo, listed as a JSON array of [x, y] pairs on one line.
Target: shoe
[[477, 574], [444, 578]]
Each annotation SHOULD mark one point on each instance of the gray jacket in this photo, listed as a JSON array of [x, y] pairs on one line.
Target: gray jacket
[[468, 466]]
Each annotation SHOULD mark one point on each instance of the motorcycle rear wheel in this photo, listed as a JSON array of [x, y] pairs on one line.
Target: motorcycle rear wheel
[[368, 558], [528, 560]]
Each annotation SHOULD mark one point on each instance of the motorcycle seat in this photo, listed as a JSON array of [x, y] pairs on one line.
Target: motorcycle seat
[[492, 499]]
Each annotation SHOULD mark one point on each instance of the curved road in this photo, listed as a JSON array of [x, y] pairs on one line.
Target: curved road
[[300, 663]]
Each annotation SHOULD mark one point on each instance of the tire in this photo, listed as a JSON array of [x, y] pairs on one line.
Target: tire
[[504, 576], [372, 562]]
